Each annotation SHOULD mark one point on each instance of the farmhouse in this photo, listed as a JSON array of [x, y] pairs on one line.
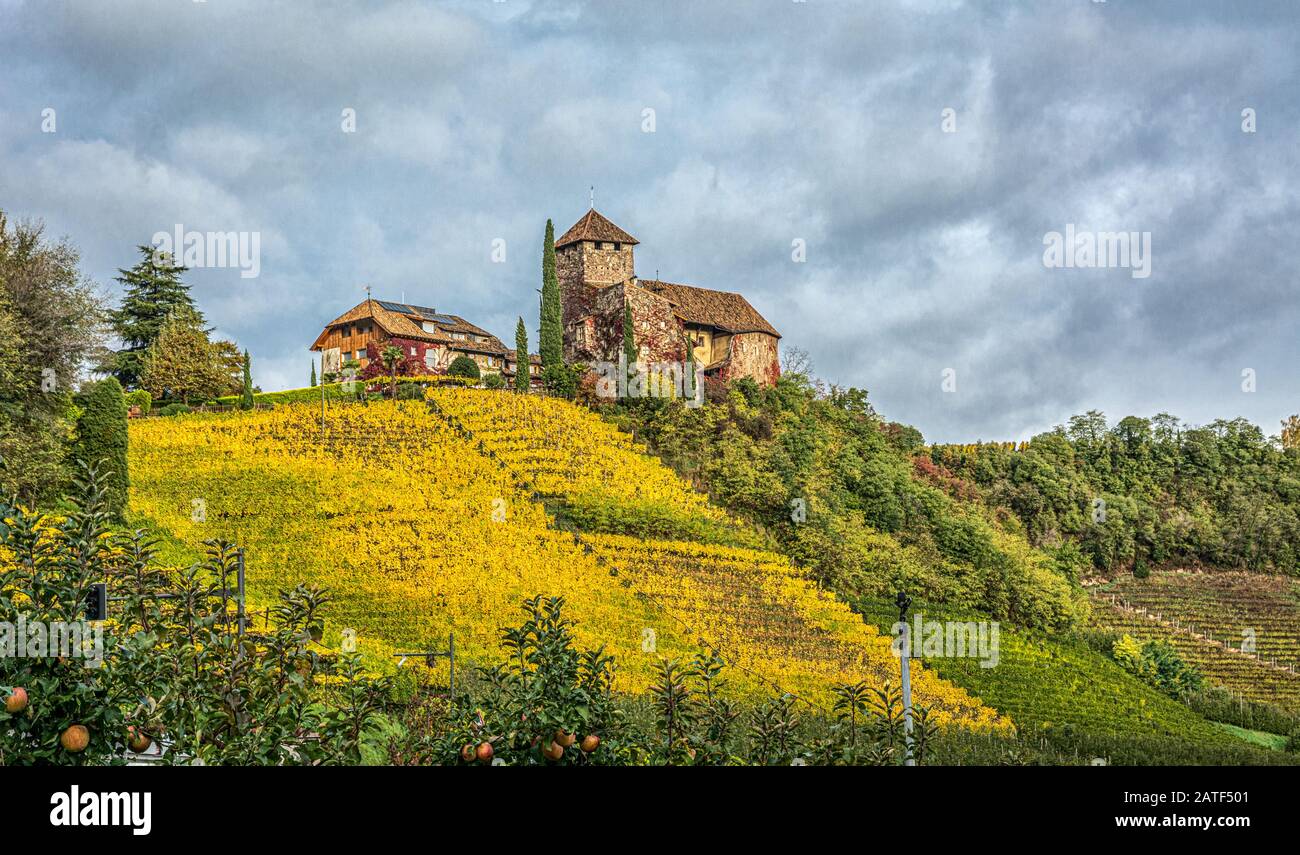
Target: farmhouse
[[429, 341], [598, 284]]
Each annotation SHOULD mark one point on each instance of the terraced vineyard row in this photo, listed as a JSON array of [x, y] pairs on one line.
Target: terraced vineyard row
[[1244, 675], [562, 450], [1241, 630], [1043, 682], [1228, 606], [746, 602], [754, 607], [421, 531]]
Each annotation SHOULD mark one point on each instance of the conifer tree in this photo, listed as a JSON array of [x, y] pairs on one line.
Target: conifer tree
[[154, 292], [522, 364], [246, 402], [629, 341], [551, 344], [313, 374], [688, 380]]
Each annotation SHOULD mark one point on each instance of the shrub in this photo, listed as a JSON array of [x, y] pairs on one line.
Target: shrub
[[101, 439], [560, 380], [1158, 664], [140, 398], [494, 381], [463, 366], [409, 391], [174, 410]]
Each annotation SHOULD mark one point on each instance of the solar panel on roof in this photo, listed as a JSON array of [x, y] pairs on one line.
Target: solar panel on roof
[[394, 307]]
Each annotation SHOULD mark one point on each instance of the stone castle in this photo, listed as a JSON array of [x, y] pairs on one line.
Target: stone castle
[[597, 277]]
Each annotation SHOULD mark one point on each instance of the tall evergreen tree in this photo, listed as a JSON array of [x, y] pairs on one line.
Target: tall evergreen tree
[[522, 363], [688, 378], [246, 402], [629, 341], [551, 344], [154, 292], [313, 374]]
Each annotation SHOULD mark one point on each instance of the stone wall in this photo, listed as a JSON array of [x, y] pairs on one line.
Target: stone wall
[[658, 333], [753, 354], [584, 270], [598, 335]]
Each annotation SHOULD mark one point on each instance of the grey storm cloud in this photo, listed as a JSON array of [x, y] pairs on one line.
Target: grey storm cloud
[[773, 121]]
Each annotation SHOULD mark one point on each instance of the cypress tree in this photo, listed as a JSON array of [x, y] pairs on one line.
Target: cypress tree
[[246, 403], [154, 292], [629, 341], [688, 381], [551, 345], [313, 374], [522, 363], [101, 439]]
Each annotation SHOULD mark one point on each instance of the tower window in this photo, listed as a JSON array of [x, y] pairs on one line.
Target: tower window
[[617, 245]]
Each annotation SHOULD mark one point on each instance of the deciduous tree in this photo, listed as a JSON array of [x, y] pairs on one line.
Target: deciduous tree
[[51, 326], [182, 363]]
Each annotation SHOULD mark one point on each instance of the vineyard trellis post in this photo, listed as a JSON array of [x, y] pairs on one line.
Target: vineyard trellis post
[[97, 601], [431, 655], [239, 593], [903, 601]]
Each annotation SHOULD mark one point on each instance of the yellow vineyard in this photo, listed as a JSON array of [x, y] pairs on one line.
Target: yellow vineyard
[[424, 518]]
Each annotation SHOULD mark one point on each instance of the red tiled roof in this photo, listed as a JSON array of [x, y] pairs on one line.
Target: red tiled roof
[[594, 226], [706, 307]]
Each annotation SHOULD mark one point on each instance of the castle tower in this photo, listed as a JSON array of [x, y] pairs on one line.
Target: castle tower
[[592, 255]]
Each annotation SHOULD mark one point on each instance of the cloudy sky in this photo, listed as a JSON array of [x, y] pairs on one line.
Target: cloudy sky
[[919, 150]]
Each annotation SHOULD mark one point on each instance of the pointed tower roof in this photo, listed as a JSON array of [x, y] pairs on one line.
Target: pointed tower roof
[[594, 226]]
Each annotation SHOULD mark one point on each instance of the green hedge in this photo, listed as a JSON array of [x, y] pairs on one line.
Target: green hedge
[[101, 438]]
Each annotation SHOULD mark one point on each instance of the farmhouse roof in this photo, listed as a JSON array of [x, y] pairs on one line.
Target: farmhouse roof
[[594, 227], [722, 309], [403, 320]]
